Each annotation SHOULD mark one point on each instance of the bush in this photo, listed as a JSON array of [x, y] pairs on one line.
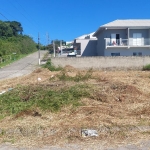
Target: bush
[[146, 67]]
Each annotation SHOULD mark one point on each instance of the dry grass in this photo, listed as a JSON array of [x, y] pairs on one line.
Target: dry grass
[[119, 102]]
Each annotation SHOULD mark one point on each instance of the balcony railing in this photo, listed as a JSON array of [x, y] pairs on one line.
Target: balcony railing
[[128, 43]]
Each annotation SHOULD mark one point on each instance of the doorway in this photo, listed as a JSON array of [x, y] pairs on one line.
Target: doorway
[[115, 38]]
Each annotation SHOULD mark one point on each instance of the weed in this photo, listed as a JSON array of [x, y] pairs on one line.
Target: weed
[[51, 67], [79, 77], [32, 97], [45, 56], [2, 132], [1, 117], [146, 67]]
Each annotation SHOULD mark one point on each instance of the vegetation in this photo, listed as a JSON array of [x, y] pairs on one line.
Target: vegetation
[[114, 103], [146, 67], [77, 78], [51, 67], [8, 59], [13, 41], [49, 47], [31, 97]]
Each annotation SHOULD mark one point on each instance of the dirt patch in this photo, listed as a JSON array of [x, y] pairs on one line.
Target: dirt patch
[[118, 99]]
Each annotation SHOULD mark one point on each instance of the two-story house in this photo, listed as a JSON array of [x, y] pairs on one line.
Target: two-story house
[[124, 38]]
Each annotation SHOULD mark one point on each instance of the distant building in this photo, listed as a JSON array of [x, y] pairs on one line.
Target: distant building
[[86, 45]]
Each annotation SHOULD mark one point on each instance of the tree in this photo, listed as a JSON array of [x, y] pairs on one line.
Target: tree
[[50, 48], [16, 27], [5, 29], [12, 40]]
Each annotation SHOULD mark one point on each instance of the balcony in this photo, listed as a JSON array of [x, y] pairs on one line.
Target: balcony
[[127, 43]]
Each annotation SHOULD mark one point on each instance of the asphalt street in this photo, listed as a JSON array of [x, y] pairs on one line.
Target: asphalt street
[[21, 67]]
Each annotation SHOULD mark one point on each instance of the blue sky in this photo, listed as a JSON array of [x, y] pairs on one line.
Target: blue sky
[[68, 19]]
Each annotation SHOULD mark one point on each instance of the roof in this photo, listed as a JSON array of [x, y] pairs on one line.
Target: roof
[[142, 23], [86, 36], [128, 23]]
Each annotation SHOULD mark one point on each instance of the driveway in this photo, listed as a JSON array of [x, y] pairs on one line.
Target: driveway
[[21, 67]]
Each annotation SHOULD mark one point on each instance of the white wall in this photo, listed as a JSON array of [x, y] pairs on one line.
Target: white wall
[[127, 52], [88, 47]]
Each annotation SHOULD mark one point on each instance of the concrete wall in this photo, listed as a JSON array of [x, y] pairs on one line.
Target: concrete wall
[[102, 63], [127, 52], [88, 47]]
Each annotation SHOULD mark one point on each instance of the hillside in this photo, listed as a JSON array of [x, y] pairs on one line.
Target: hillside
[[12, 39]]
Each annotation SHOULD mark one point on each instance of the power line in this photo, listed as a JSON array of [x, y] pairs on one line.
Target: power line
[[28, 20], [24, 16], [7, 13], [4, 16], [26, 11], [19, 11]]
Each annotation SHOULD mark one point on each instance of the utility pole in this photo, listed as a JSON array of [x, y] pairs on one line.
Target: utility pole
[[54, 48], [61, 47], [48, 39], [39, 47]]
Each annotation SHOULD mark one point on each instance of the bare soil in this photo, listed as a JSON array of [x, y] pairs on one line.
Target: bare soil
[[118, 108]]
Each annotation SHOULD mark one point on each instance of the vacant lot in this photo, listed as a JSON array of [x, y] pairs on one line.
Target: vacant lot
[[115, 103]]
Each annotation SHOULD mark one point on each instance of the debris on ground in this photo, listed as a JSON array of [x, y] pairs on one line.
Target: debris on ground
[[88, 133]]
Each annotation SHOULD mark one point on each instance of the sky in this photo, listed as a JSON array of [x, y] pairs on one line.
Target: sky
[[69, 19]]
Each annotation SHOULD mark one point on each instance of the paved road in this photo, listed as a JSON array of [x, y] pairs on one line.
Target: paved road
[[22, 67]]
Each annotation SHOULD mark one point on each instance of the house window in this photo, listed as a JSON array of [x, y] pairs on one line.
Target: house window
[[137, 53], [137, 39], [115, 54]]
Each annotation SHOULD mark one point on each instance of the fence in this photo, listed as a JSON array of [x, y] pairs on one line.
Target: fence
[[102, 63]]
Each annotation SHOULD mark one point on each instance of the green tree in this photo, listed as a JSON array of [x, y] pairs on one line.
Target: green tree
[[16, 27], [5, 30]]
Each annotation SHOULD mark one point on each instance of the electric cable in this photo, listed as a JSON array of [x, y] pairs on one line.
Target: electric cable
[[4, 16]]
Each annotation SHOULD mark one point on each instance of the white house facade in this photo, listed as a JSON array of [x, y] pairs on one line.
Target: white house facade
[[123, 38]]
